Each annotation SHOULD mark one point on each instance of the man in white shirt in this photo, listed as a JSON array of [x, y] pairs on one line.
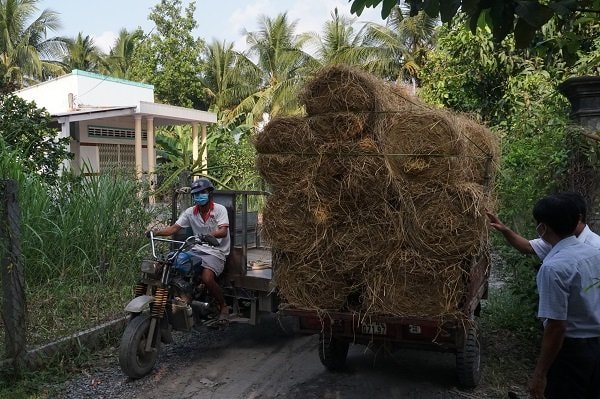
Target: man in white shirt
[[569, 305], [206, 217], [540, 247]]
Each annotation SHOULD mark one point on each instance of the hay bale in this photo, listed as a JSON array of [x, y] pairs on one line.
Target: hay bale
[[292, 222], [482, 150], [449, 221], [282, 171], [308, 281], [378, 203], [411, 285], [341, 88], [338, 126], [423, 145], [290, 134], [352, 170]]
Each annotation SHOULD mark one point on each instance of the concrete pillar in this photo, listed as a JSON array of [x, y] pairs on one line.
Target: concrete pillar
[[204, 150], [584, 95], [151, 156], [138, 145], [194, 142], [75, 164]]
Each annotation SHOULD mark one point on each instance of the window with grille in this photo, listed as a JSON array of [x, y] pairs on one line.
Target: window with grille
[[116, 156], [113, 132]]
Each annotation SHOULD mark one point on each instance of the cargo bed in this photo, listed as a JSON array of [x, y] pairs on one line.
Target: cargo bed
[[456, 334]]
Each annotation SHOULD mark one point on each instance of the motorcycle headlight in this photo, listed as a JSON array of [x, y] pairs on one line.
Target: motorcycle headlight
[[150, 266]]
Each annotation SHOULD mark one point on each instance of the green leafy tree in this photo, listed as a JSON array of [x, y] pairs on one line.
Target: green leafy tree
[[83, 54], [26, 131], [175, 164], [169, 58], [232, 155], [401, 46], [119, 61], [229, 76], [26, 53], [282, 64], [340, 42], [515, 94], [469, 73], [523, 18]]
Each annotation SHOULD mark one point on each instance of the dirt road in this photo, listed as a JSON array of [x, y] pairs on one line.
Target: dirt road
[[248, 362]]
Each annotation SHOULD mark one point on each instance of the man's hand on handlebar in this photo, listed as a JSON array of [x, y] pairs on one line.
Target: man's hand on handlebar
[[210, 240]]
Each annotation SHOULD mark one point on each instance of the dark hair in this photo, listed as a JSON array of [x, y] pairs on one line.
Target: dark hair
[[558, 212], [579, 202]]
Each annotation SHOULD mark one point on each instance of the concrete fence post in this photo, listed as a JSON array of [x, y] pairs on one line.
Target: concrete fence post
[[13, 281]]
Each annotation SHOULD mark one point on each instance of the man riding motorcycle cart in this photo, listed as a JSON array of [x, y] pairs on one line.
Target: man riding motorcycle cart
[[209, 219]]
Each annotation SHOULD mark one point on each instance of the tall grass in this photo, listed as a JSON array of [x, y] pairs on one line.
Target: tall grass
[[82, 242], [90, 227]]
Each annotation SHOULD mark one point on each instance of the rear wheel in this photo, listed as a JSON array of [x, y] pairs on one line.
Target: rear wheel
[[134, 360], [468, 360], [333, 352]]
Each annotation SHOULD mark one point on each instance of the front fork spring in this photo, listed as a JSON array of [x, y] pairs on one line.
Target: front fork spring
[[160, 302], [140, 289]]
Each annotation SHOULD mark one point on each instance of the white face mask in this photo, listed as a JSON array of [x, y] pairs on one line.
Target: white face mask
[[537, 229]]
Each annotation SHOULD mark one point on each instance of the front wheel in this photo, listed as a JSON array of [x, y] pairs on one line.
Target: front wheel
[[135, 361], [333, 352]]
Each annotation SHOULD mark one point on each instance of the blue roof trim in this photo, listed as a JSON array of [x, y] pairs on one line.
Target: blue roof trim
[[110, 79]]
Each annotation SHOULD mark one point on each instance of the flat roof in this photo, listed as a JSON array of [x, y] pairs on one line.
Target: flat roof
[[163, 114]]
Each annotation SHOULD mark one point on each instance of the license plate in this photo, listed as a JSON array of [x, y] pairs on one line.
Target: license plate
[[374, 328]]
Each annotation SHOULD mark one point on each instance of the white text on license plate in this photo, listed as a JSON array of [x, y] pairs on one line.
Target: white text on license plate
[[374, 328]]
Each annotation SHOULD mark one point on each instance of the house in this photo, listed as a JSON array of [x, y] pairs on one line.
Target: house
[[111, 121]]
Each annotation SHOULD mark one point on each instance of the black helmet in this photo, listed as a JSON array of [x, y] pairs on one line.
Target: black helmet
[[200, 185]]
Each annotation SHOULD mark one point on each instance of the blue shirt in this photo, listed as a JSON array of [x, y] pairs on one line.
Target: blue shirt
[[565, 283]]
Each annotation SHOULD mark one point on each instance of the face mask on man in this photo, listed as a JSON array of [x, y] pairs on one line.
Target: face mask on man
[[541, 234], [200, 199]]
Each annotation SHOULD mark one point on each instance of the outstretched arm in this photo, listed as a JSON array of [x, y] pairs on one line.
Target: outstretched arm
[[167, 231], [520, 243]]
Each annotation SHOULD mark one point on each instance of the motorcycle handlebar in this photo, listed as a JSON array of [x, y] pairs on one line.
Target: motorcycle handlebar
[[201, 239]]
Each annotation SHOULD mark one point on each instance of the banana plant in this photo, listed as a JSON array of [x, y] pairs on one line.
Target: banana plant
[[175, 164]]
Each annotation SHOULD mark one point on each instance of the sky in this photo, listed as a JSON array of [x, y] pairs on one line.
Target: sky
[[222, 20]]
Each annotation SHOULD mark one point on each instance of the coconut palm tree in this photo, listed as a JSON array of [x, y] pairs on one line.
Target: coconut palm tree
[[340, 42], [83, 54], [119, 60], [27, 54], [282, 64], [400, 47], [229, 76]]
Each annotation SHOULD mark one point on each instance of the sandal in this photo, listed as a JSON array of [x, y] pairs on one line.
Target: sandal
[[223, 318]]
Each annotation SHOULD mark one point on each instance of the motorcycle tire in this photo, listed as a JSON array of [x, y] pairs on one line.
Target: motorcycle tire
[[133, 358]]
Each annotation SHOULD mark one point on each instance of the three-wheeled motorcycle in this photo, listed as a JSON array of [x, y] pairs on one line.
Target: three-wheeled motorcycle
[[169, 295]]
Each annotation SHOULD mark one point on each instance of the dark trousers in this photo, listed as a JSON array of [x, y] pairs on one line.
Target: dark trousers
[[575, 374]]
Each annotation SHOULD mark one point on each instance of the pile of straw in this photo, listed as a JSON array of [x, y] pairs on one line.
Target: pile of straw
[[378, 201]]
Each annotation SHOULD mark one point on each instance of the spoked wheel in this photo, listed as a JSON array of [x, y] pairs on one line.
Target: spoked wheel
[[135, 361], [468, 360], [333, 352]]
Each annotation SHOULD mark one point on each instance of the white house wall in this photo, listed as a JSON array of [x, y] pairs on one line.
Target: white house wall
[[88, 90], [52, 94], [89, 155], [105, 91]]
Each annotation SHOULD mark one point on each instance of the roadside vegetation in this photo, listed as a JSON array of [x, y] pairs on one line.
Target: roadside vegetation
[[82, 235]]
